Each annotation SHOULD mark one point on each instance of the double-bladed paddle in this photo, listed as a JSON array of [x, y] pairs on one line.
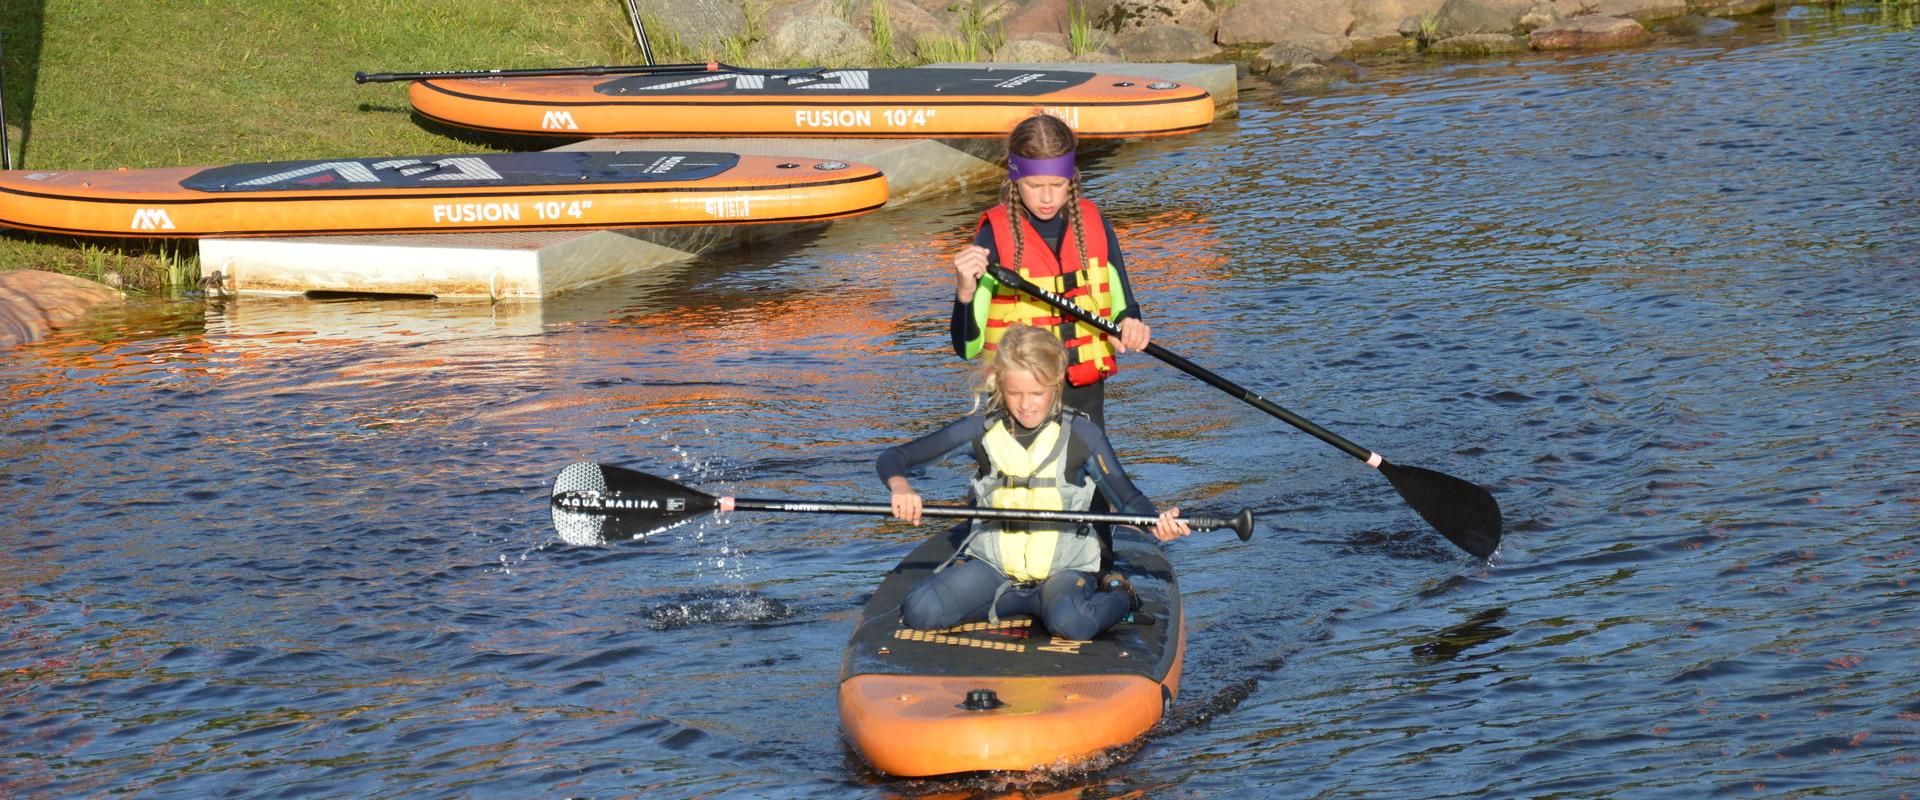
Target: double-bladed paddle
[[642, 503], [1464, 513]]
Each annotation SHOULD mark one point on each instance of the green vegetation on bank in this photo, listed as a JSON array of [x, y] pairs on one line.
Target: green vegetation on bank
[[93, 84]]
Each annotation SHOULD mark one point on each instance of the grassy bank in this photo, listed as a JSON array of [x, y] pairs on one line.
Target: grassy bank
[[93, 84]]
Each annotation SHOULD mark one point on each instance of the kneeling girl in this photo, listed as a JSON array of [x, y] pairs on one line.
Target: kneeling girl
[[1031, 453]]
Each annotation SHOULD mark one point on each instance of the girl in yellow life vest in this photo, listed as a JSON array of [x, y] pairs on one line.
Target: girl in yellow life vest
[[1046, 231], [1031, 453]]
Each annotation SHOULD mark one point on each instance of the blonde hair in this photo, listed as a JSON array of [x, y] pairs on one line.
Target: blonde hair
[[1024, 347], [1042, 135]]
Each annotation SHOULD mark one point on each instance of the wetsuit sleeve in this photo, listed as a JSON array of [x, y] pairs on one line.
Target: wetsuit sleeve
[[896, 460], [1120, 268], [1104, 467], [963, 327]]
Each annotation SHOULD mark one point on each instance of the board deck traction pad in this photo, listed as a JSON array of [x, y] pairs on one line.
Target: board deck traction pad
[[479, 170], [1017, 646], [904, 102]]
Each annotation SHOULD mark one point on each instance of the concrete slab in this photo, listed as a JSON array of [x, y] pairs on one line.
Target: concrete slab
[[516, 266]]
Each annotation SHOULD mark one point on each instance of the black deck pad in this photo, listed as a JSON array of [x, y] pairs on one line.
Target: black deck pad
[[1019, 646], [473, 170], [892, 84]]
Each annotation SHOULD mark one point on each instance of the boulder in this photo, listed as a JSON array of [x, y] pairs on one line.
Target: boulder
[[1164, 43], [1729, 8], [1305, 78], [1642, 10], [1038, 50], [1589, 33], [1541, 15], [1280, 57], [1314, 24], [1461, 17], [825, 41], [1127, 16], [1376, 22], [33, 302], [702, 25], [911, 24], [1696, 25], [1478, 44]]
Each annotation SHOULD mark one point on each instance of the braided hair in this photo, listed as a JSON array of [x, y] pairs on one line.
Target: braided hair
[[1042, 136]]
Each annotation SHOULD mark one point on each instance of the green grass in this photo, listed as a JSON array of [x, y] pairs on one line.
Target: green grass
[[98, 84]]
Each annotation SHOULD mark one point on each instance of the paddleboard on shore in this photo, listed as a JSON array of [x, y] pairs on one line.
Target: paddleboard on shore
[[727, 101], [1006, 695], [441, 194]]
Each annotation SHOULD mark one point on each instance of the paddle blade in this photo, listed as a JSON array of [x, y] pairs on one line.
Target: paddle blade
[[596, 502], [1464, 513]]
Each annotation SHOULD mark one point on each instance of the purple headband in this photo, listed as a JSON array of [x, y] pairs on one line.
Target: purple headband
[[1060, 166]]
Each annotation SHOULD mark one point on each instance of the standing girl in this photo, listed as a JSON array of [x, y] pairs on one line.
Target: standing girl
[[1047, 232], [1034, 454]]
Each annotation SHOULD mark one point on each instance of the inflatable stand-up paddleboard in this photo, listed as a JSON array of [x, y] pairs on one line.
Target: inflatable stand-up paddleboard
[[730, 101], [1007, 696], [440, 194]]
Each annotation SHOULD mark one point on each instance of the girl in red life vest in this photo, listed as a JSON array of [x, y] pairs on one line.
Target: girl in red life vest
[[1030, 453], [1047, 232]]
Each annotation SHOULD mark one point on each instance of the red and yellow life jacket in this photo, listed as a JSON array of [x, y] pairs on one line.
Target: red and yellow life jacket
[[1088, 279]]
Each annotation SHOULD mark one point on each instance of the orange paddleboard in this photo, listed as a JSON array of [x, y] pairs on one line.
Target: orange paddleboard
[[440, 194], [725, 101], [1006, 695]]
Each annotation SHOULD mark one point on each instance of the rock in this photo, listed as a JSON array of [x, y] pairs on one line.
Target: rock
[[1589, 33], [1305, 78], [1164, 43], [911, 24], [33, 302], [825, 41], [1127, 16], [1729, 8], [1037, 16], [1376, 22], [1461, 17], [1032, 51], [1695, 25], [1642, 10], [1314, 24], [702, 25], [1280, 57], [1541, 15], [1478, 44]]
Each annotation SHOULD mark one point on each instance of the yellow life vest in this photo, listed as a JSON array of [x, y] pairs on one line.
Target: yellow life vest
[[1032, 478]]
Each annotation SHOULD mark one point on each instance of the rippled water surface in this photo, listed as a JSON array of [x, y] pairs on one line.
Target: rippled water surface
[[1659, 301]]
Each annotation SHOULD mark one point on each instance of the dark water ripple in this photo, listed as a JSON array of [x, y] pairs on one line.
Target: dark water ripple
[[1660, 301]]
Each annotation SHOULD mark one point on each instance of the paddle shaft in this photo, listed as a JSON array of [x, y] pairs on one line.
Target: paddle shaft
[[6, 147], [882, 509], [639, 32], [549, 72], [1003, 275]]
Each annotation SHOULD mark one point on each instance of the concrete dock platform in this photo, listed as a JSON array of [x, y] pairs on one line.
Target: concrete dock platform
[[533, 265]]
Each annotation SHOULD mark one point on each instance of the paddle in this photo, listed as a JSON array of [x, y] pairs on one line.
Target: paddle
[[639, 500], [639, 32], [548, 72], [6, 148], [1464, 513]]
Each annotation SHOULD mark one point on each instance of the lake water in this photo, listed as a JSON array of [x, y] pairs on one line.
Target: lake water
[[1659, 301]]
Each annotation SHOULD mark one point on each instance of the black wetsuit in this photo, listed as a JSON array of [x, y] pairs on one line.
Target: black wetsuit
[[1089, 399]]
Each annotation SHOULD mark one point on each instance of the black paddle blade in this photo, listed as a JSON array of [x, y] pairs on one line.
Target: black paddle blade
[[1464, 513], [596, 502]]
